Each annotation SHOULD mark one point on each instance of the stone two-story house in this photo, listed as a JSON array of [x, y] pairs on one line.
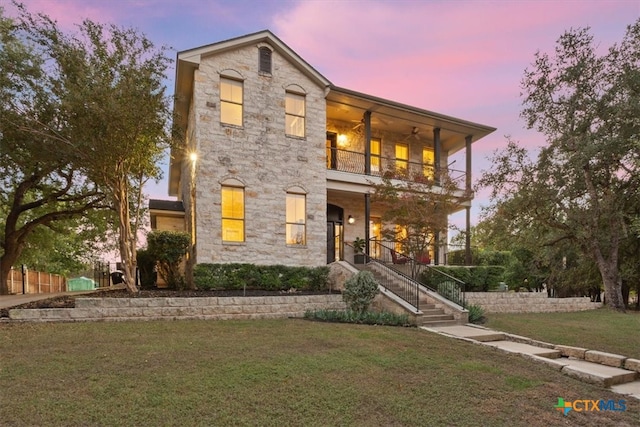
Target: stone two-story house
[[277, 164]]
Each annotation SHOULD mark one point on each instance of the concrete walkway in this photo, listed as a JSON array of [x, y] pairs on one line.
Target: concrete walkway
[[619, 373]]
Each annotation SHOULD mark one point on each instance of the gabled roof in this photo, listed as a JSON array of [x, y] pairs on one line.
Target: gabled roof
[[189, 60]]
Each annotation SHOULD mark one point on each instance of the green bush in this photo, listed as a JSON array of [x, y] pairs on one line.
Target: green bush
[[263, 277], [368, 317], [168, 248], [146, 265], [476, 314], [359, 291], [476, 279]]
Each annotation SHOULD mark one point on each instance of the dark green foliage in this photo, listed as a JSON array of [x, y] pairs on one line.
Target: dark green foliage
[[367, 318], [264, 277], [146, 265], [359, 291], [168, 248], [476, 279], [476, 314]]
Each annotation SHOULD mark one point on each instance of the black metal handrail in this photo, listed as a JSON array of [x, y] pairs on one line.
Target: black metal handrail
[[449, 287], [354, 162]]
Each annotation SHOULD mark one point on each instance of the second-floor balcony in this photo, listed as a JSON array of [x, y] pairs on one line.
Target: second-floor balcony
[[342, 160]]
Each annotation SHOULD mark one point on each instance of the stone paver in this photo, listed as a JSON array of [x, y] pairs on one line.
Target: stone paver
[[630, 389], [600, 368], [470, 332]]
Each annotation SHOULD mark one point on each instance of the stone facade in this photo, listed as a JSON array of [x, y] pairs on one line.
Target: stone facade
[[527, 302], [259, 157]]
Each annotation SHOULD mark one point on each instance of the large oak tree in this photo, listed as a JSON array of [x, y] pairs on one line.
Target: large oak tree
[[583, 186], [85, 128]]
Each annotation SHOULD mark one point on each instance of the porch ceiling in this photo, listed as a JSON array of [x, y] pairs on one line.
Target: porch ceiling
[[347, 105]]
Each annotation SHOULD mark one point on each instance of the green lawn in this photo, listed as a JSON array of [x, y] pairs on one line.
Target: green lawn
[[275, 373], [603, 329]]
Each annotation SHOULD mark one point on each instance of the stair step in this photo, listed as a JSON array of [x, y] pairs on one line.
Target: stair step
[[594, 373], [431, 311], [434, 323]]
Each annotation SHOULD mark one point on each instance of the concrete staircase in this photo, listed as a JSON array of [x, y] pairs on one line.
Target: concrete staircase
[[619, 373], [431, 313]]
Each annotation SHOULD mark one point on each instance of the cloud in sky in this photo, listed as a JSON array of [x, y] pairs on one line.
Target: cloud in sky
[[460, 58]]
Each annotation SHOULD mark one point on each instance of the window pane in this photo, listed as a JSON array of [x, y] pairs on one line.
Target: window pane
[[294, 104], [427, 163], [232, 230], [296, 234], [231, 90], [402, 156], [231, 113], [295, 126]]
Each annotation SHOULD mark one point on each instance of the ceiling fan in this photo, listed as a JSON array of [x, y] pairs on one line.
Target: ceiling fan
[[414, 134]]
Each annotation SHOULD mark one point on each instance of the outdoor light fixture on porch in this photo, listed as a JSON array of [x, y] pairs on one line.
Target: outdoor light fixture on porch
[[351, 219], [342, 140]]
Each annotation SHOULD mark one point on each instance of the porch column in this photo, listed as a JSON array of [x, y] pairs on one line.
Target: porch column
[[367, 142], [468, 155], [437, 153], [367, 217], [467, 242], [436, 249]]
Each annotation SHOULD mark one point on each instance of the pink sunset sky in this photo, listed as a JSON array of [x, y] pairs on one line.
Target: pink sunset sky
[[461, 58]]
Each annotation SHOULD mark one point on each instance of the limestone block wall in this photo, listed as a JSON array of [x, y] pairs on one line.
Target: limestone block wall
[[206, 308], [527, 302], [261, 157]]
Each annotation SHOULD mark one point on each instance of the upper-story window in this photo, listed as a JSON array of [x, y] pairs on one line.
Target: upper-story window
[[375, 155], [295, 111], [296, 228], [402, 156], [231, 96], [428, 162], [232, 214], [264, 60]]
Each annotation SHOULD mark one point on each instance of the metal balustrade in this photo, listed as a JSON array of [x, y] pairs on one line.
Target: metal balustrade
[[354, 162]]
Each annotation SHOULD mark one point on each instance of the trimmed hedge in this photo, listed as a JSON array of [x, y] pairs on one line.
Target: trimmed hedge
[[367, 317], [262, 277], [477, 279]]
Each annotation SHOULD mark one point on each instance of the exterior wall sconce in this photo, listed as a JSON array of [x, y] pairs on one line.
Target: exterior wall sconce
[[342, 140], [351, 219]]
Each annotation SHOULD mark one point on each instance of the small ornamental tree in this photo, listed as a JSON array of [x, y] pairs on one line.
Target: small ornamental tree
[[168, 249], [359, 292]]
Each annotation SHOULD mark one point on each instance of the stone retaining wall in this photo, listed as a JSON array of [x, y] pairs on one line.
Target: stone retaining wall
[[206, 308], [527, 302]]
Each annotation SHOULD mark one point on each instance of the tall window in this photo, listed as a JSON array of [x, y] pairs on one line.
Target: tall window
[[264, 61], [295, 114], [402, 156], [231, 101], [427, 162], [232, 214], [375, 154], [296, 233]]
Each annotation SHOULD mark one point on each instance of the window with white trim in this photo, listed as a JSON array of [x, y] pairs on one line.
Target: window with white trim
[[231, 99], [232, 214], [295, 111], [296, 223]]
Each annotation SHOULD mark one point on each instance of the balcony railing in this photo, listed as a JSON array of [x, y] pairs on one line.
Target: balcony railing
[[354, 162]]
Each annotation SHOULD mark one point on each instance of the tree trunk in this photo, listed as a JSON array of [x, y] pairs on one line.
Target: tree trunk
[[125, 239], [610, 276], [7, 260]]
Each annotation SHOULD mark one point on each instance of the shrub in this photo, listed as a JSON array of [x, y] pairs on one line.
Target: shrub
[[168, 248], [368, 318], [359, 291], [146, 265], [263, 277], [476, 314]]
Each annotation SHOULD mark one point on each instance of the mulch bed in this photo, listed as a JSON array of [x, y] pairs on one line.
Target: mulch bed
[[69, 301]]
